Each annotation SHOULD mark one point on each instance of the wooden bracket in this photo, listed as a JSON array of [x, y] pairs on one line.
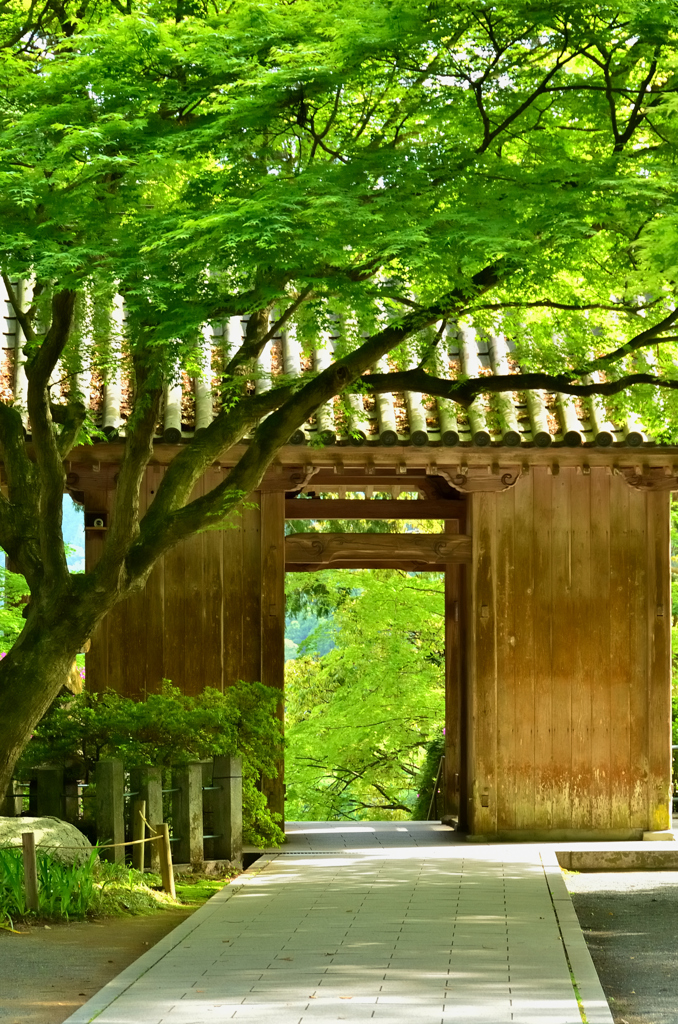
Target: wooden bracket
[[482, 479], [649, 478]]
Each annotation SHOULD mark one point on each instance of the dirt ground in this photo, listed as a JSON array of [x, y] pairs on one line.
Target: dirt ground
[[47, 973], [630, 922]]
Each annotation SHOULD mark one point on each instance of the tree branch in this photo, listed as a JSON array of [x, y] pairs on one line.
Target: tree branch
[[71, 418], [253, 344], [110, 572], [49, 461], [464, 392]]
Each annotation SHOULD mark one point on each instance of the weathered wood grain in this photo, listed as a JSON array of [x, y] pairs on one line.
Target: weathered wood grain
[[192, 665], [523, 600], [641, 599], [154, 598], [454, 684], [508, 720], [599, 666], [251, 591], [483, 803], [583, 652], [543, 624], [622, 606], [213, 598], [659, 662]]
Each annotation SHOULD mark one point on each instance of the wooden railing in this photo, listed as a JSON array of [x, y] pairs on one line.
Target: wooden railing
[[202, 802]]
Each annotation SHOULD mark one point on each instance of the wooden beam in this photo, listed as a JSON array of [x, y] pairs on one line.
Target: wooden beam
[[340, 508], [404, 566], [423, 549]]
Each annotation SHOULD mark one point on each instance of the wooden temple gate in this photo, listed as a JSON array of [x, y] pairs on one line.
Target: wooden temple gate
[[558, 613]]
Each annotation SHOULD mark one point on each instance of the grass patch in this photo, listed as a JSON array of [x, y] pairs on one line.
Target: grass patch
[[94, 889], [194, 890]]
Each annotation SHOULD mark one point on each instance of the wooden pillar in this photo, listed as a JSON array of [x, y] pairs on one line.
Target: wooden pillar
[[242, 597], [147, 783], [50, 792], [273, 620], [71, 801], [227, 808], [110, 783], [482, 785], [455, 690], [659, 661], [187, 816]]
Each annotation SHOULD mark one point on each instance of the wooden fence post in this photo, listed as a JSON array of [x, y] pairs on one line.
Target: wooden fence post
[[50, 792], [166, 870], [227, 809], [110, 786], [148, 783], [71, 801], [187, 816], [30, 870], [138, 833]]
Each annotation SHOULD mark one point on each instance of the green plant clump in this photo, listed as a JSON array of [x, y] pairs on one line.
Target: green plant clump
[[167, 730], [64, 890], [93, 888]]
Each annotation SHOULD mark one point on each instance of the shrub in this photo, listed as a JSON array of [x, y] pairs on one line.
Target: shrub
[[167, 730]]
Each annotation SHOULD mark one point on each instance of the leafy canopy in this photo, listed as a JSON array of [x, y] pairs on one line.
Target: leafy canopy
[[373, 172]]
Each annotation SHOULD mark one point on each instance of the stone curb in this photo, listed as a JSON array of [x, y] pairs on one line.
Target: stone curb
[[594, 1003]]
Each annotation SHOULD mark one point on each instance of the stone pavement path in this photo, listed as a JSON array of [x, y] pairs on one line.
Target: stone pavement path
[[397, 927]]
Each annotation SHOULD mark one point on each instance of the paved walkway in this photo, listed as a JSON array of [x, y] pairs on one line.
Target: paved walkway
[[386, 922]]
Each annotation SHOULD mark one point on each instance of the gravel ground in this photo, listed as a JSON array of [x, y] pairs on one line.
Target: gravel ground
[[47, 973], [630, 922]]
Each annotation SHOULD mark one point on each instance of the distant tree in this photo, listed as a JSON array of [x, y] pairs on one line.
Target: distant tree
[[360, 718]]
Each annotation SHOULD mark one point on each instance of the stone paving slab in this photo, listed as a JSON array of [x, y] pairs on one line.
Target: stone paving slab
[[401, 927]]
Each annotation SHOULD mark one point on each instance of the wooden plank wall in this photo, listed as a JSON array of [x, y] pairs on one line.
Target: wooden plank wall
[[198, 620], [569, 658]]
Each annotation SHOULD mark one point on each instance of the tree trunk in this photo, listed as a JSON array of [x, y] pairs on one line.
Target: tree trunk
[[35, 670]]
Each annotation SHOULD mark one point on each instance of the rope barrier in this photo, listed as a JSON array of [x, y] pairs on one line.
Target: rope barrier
[[102, 846]]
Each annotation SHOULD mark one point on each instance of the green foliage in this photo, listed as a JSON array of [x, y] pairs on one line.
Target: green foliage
[[165, 730], [93, 888], [435, 748], [13, 592], [359, 156], [359, 719], [64, 890]]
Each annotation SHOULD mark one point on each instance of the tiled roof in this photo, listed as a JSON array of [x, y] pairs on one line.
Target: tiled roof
[[510, 420]]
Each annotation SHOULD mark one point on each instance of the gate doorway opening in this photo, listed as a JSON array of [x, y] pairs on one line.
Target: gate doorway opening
[[374, 694]]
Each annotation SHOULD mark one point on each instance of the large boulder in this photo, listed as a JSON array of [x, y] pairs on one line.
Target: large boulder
[[58, 838]]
